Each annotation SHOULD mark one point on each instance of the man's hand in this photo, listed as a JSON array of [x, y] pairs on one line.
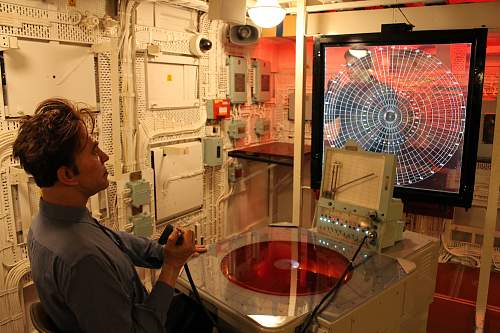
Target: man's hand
[[175, 256]]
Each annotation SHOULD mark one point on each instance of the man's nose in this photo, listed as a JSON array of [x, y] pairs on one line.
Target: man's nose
[[103, 156]]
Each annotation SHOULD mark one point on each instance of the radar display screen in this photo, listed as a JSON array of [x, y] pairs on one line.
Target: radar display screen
[[417, 98]]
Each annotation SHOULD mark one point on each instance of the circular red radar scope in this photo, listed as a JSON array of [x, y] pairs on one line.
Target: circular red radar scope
[[268, 267]]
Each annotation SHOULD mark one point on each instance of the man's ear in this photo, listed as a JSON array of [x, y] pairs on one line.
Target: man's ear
[[66, 176]]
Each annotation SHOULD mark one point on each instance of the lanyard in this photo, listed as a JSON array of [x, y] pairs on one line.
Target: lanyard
[[119, 243]]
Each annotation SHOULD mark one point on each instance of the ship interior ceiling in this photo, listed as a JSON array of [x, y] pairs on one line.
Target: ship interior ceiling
[[337, 158]]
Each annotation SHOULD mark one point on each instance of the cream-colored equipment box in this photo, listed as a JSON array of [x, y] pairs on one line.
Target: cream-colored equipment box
[[356, 198]]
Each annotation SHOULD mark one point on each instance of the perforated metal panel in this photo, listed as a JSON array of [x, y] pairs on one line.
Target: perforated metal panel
[[39, 23]]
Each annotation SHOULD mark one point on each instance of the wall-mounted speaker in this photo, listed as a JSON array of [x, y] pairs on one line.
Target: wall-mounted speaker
[[233, 11], [244, 34]]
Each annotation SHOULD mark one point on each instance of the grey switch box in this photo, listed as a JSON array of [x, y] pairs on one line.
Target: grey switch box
[[212, 151]]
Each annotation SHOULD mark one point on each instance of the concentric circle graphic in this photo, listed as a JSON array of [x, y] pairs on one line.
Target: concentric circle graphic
[[398, 100]]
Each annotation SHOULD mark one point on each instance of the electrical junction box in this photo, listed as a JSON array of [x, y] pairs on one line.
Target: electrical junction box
[[212, 151], [140, 192], [47, 69], [212, 130], [145, 14], [174, 18], [171, 82], [234, 172], [237, 129], [262, 126], [218, 108], [142, 224], [262, 81], [237, 79], [178, 174]]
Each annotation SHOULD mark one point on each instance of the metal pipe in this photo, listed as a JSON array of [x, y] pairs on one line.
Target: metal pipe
[[356, 5], [298, 142]]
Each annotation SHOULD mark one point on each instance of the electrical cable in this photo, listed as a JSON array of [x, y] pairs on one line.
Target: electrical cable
[[163, 240], [401, 11], [333, 292]]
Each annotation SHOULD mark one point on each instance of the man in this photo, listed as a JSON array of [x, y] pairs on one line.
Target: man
[[84, 272]]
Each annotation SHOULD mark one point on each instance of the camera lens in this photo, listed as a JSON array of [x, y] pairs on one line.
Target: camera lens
[[205, 44]]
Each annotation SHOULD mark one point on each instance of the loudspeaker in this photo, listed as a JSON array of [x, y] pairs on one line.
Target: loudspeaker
[[244, 34], [233, 11]]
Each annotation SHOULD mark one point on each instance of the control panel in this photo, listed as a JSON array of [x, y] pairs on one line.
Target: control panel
[[356, 198]]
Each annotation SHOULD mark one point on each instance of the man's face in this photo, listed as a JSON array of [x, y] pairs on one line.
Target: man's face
[[93, 176], [360, 72]]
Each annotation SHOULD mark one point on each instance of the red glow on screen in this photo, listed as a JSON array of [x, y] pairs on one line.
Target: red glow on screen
[[268, 267]]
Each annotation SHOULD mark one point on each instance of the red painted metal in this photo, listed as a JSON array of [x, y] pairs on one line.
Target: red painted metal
[[453, 309]]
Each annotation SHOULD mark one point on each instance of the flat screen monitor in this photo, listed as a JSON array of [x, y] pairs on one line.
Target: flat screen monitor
[[416, 95]]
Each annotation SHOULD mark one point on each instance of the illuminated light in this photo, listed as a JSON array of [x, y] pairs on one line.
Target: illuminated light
[[358, 53], [269, 321], [267, 13]]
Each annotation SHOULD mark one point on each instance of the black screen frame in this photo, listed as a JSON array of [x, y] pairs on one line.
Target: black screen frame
[[477, 38]]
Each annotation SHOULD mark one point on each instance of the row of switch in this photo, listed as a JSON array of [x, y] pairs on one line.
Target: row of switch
[[337, 222]]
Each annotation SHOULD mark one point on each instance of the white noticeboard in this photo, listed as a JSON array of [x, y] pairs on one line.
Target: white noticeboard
[[39, 70], [178, 171]]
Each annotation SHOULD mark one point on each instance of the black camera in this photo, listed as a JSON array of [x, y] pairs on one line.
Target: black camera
[[205, 44]]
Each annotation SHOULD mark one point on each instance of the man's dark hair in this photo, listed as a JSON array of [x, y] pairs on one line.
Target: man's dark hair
[[50, 139]]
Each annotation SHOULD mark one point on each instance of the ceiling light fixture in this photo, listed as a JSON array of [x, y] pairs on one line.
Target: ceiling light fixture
[[267, 13]]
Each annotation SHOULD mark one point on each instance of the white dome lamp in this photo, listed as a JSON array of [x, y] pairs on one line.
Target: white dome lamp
[[267, 13]]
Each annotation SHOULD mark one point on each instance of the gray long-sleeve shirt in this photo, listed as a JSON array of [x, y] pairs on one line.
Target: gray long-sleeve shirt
[[86, 282]]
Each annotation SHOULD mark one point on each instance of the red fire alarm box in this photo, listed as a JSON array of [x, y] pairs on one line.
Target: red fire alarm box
[[218, 108]]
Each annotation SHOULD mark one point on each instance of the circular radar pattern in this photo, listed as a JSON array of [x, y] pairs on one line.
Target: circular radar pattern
[[398, 100], [269, 267]]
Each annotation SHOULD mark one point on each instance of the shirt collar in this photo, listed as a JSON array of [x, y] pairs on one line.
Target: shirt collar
[[66, 213]]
